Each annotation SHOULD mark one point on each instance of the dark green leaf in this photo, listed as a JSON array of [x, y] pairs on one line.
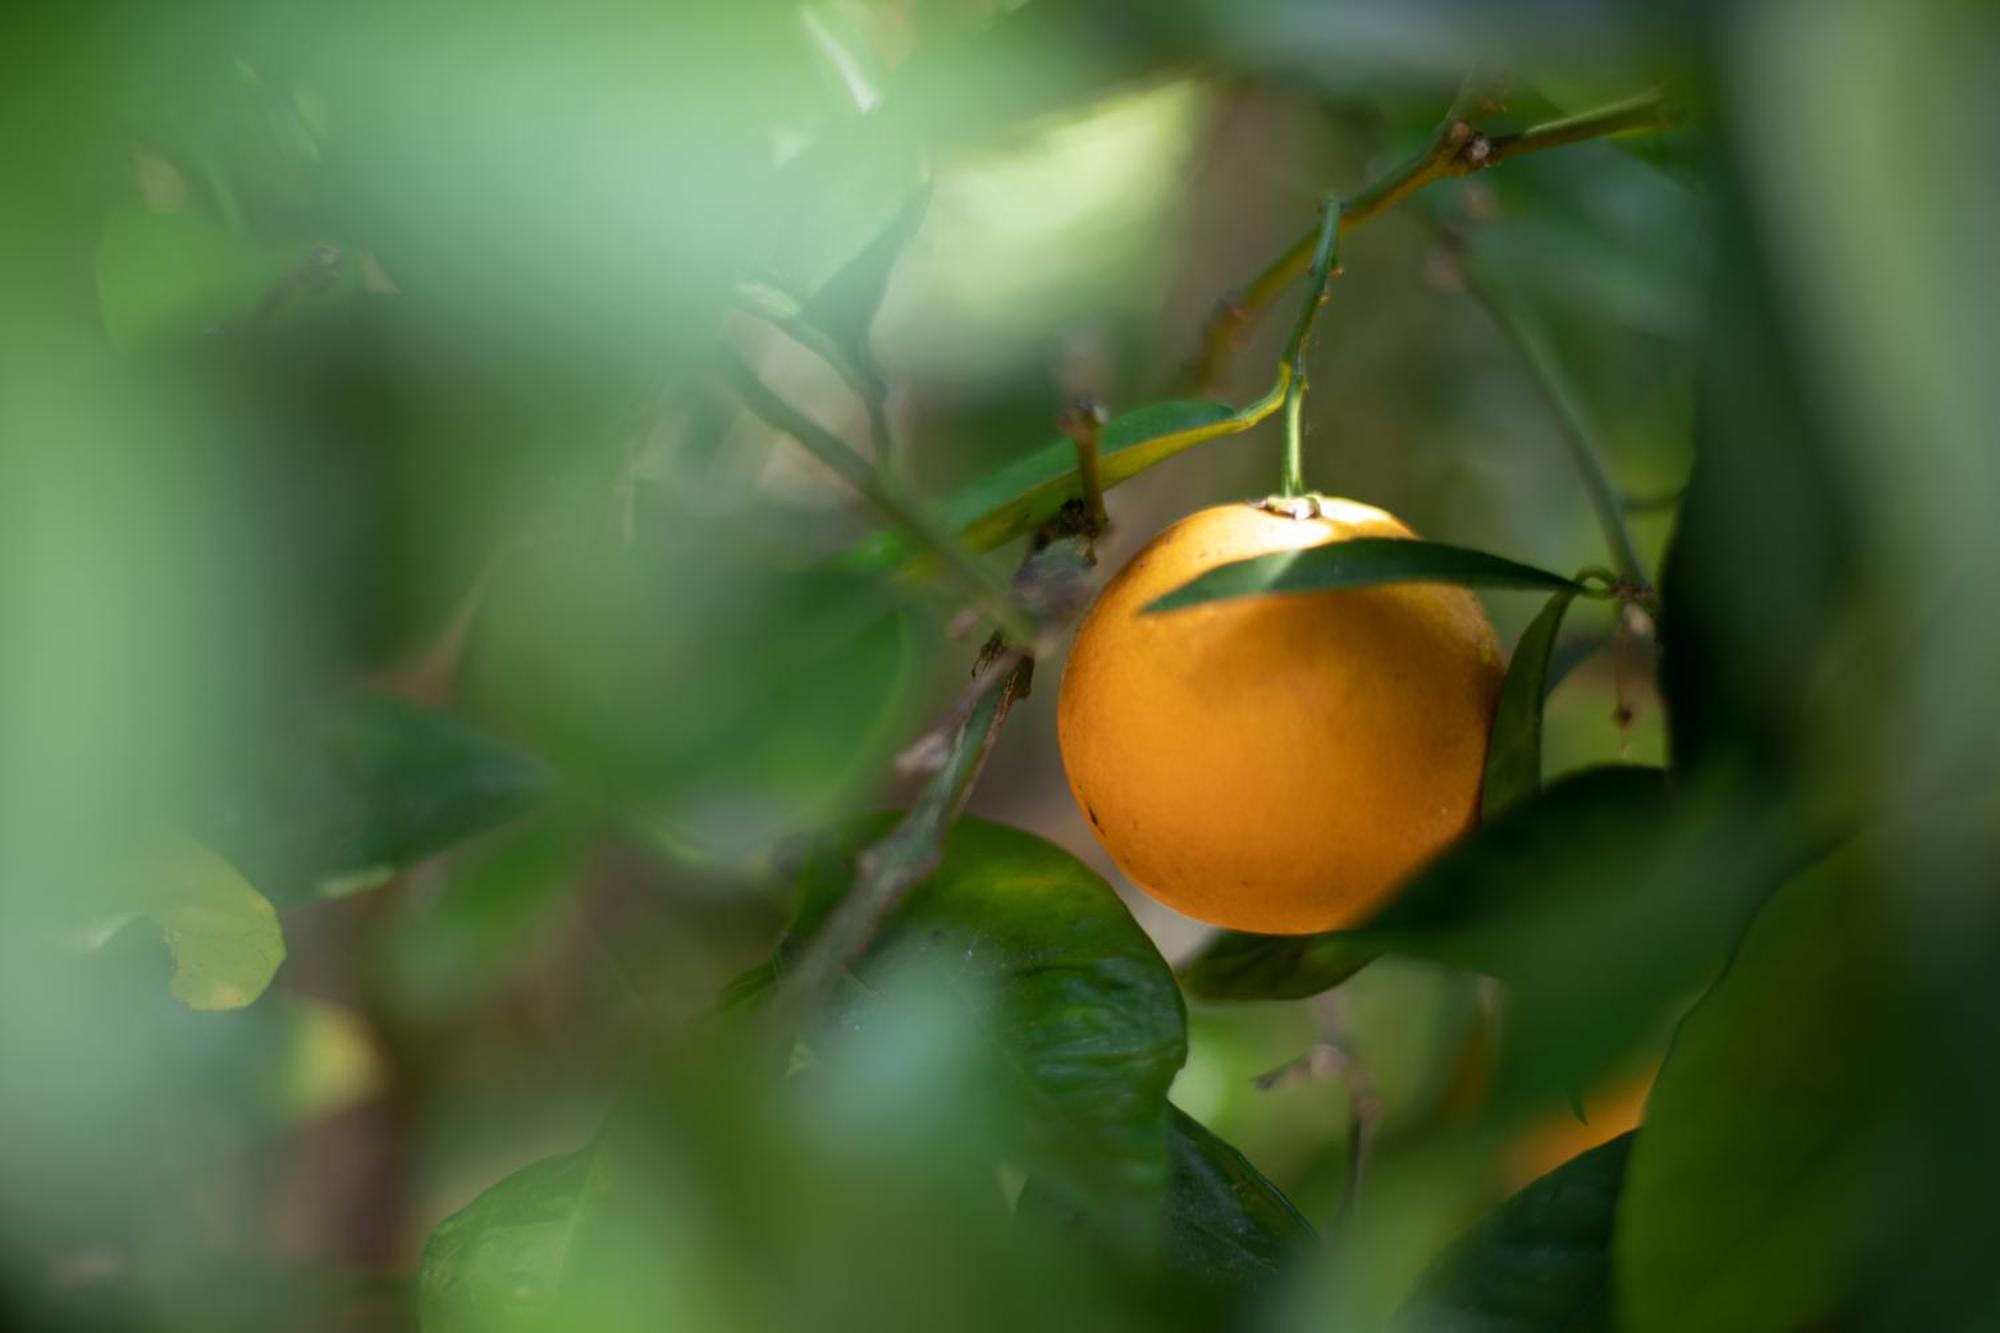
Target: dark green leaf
[[1230, 1231], [1239, 966], [1757, 1177], [1598, 901], [1514, 755], [1601, 904], [499, 1264], [1358, 563], [1541, 1260], [1084, 1018], [367, 785]]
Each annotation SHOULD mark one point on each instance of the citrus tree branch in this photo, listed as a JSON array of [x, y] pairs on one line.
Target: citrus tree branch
[[975, 578], [1455, 149], [890, 868]]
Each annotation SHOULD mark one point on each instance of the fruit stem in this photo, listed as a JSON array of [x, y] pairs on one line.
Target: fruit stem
[[1292, 368]]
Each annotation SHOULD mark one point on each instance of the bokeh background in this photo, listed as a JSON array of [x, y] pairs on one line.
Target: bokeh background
[[371, 516]]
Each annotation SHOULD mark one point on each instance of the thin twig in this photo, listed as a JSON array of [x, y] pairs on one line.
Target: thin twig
[[889, 869], [1579, 438], [975, 578], [1456, 148], [1083, 422]]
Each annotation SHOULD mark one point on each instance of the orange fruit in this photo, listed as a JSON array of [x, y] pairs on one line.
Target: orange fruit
[[1276, 763]]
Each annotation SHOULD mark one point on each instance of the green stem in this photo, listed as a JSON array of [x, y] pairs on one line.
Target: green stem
[[1326, 251], [975, 578], [1577, 435]]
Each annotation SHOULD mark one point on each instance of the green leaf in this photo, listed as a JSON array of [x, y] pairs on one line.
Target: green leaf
[[690, 678], [1756, 1180], [1085, 1023], [1240, 966], [167, 275], [368, 784], [1514, 755], [1541, 1260], [1029, 491], [1230, 1232], [449, 948], [1358, 563], [224, 935], [499, 1264], [1599, 902]]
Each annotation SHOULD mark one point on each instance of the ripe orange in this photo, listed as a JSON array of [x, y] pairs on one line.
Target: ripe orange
[[1276, 763]]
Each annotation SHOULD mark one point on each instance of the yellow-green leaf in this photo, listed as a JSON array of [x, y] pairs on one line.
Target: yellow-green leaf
[[223, 934]]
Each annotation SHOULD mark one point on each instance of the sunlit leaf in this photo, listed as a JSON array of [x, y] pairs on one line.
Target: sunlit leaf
[[224, 935], [1756, 1180], [1029, 491], [1541, 1260], [1358, 562], [1514, 755], [1082, 1012]]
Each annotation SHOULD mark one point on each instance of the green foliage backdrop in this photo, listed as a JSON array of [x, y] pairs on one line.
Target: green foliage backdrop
[[507, 821]]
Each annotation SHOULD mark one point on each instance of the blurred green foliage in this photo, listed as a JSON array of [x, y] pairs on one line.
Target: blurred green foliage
[[424, 686]]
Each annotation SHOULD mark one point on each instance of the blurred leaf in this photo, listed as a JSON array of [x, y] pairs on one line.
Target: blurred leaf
[[368, 784], [1760, 571], [692, 680], [1514, 755], [845, 305], [448, 948], [166, 275], [499, 1264], [1541, 1260], [1357, 563], [1230, 1231], [1599, 902], [1239, 966], [1029, 491], [224, 935], [1085, 1023], [1758, 1176]]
